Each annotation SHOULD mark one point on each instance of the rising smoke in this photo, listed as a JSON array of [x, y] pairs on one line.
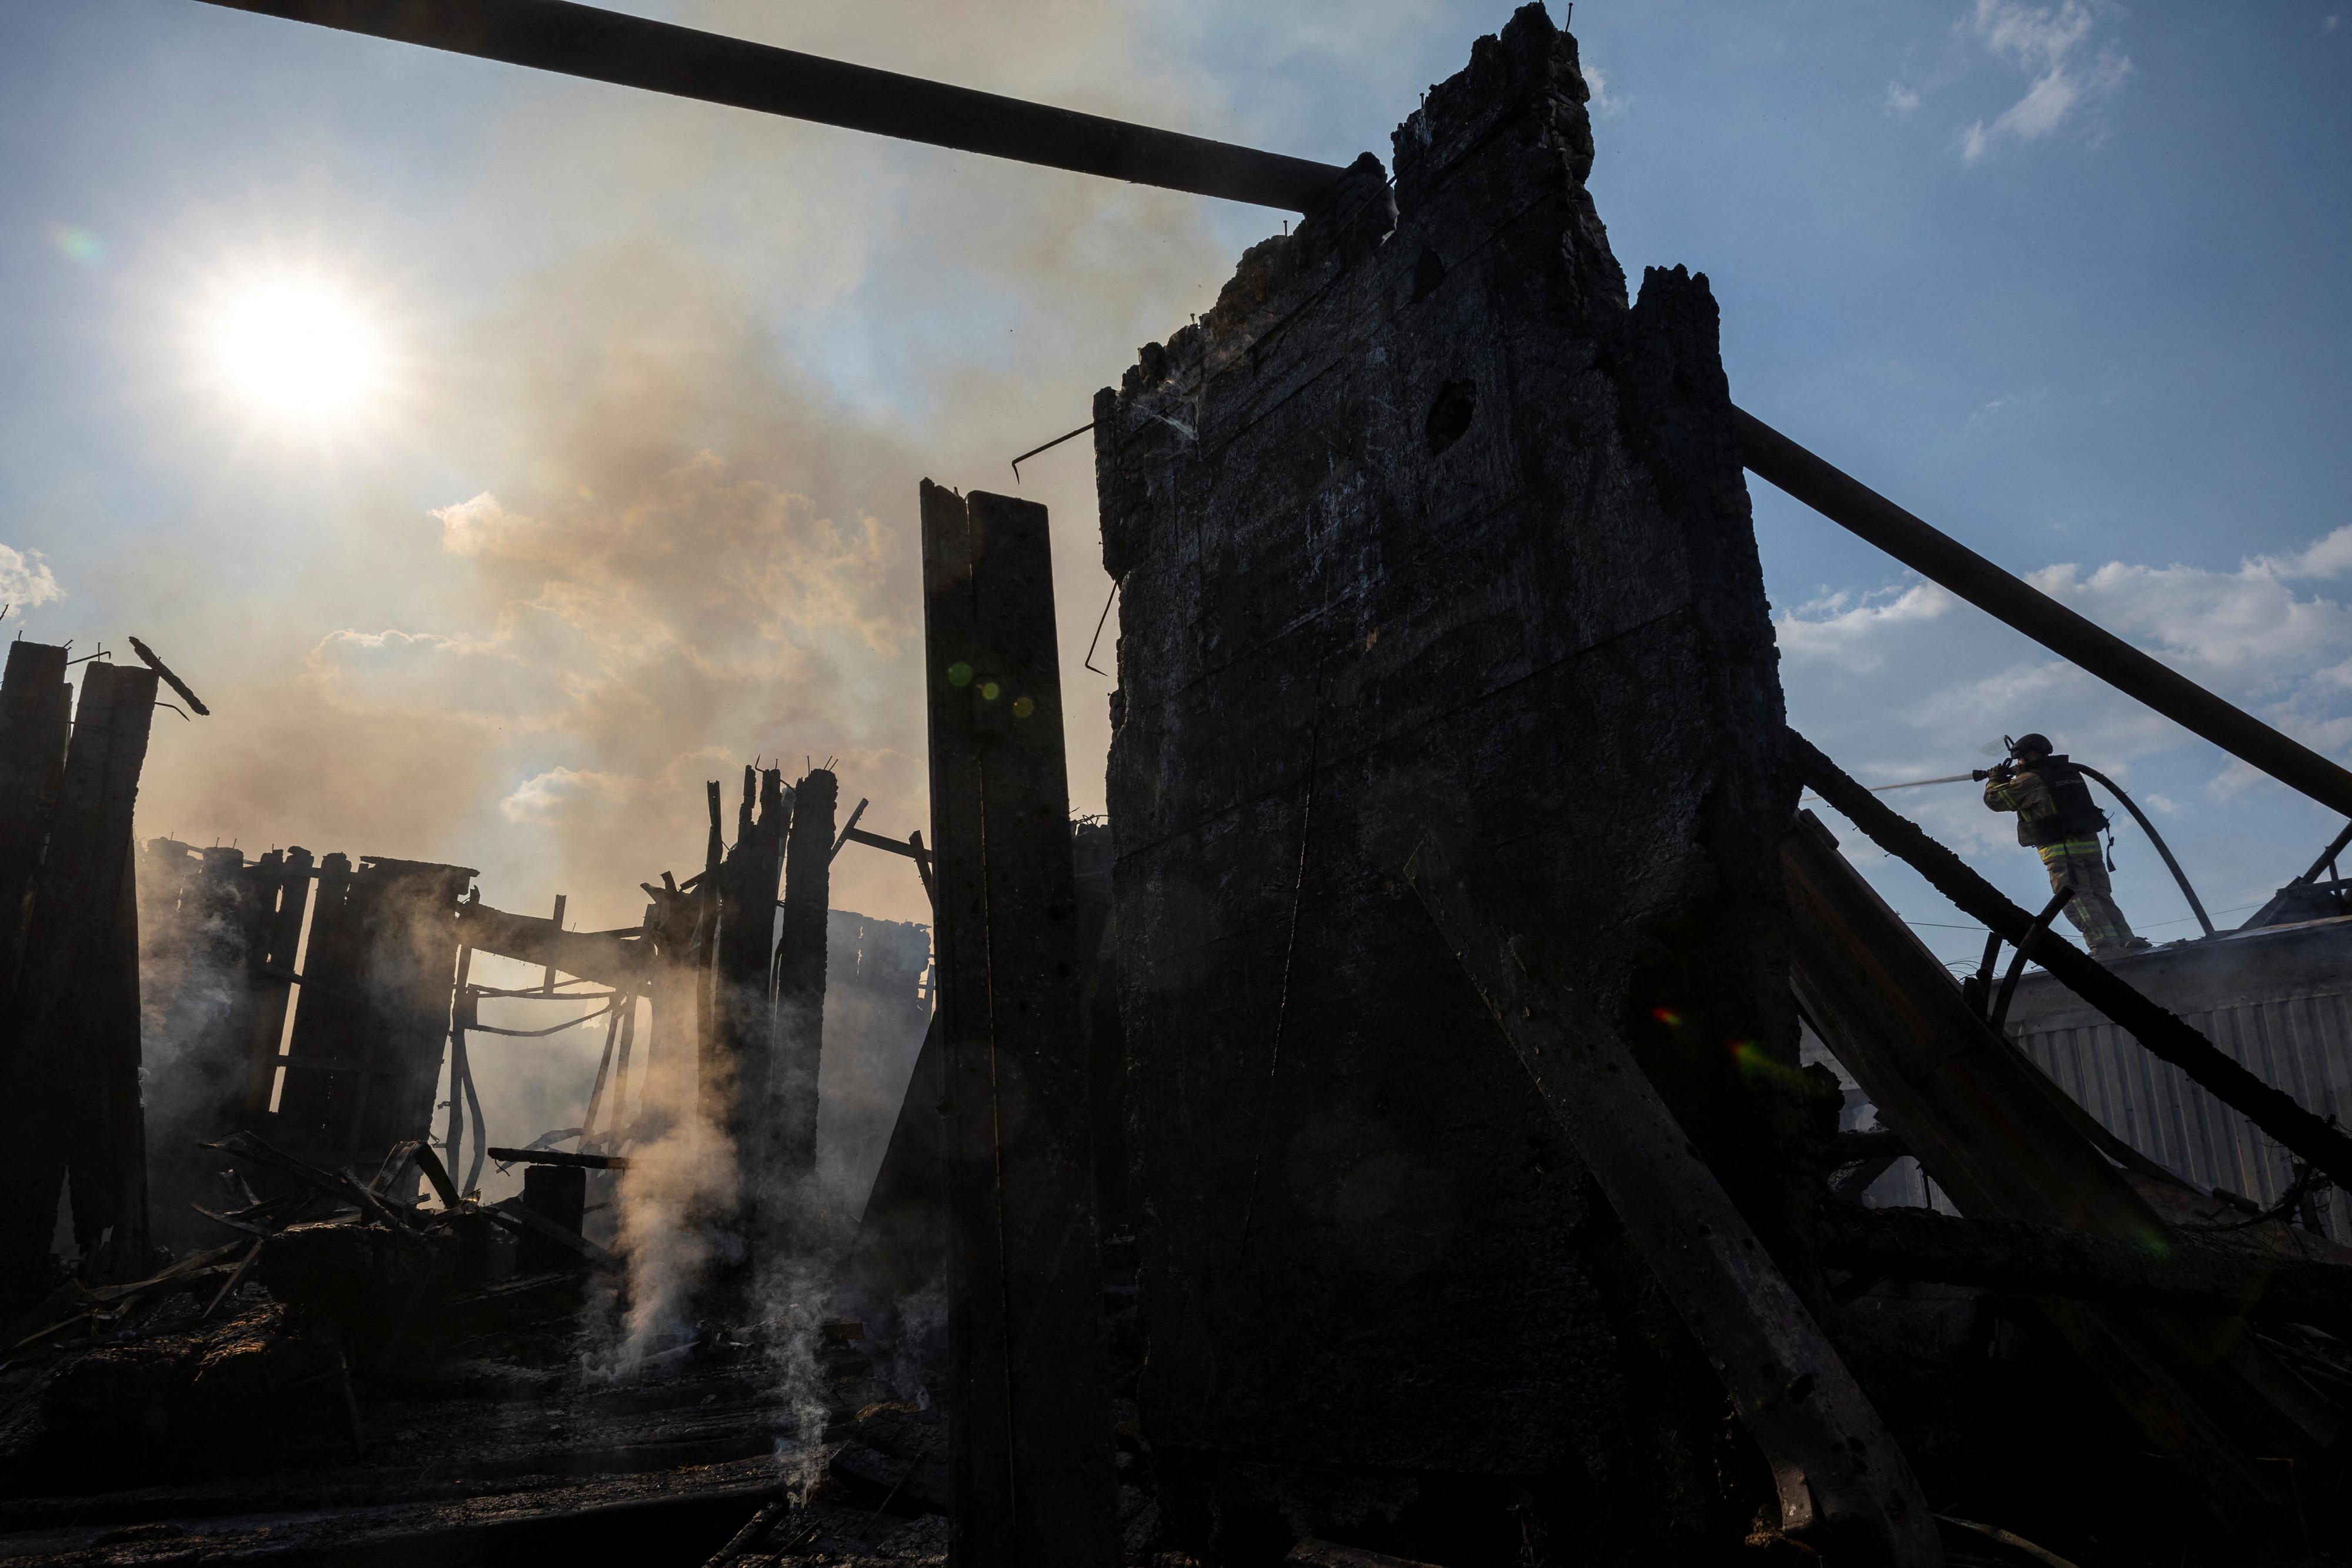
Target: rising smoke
[[651, 517]]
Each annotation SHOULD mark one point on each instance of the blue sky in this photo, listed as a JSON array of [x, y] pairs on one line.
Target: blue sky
[[2067, 279]]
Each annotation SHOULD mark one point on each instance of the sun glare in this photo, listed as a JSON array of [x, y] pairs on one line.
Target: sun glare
[[297, 351]]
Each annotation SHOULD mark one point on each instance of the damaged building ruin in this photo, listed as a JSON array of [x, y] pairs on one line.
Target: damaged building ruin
[[1424, 1124]]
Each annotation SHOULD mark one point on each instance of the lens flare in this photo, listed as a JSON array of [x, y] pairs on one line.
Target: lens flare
[[297, 351], [78, 246]]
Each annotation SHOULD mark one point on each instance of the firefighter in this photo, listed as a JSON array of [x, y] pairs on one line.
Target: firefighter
[[2057, 818]]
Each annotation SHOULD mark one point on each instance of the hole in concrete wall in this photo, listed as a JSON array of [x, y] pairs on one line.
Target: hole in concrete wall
[[1427, 274], [1450, 416]]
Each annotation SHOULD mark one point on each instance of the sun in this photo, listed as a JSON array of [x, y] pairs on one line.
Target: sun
[[297, 351]]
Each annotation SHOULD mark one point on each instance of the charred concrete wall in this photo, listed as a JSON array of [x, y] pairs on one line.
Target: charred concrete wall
[[1422, 518]]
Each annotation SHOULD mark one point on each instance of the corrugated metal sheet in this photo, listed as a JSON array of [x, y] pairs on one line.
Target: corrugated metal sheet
[[2279, 1001]]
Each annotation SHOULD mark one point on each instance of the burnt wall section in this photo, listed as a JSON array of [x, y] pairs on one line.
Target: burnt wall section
[[1422, 518], [70, 1111], [373, 1019], [218, 940]]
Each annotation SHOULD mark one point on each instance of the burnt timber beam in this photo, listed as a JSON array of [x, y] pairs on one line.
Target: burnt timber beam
[[70, 1097], [799, 960], [1843, 1481], [1031, 1481], [631, 51], [713, 1081], [1944, 560], [622, 959], [743, 1004], [2164, 1033], [913, 850], [147, 656], [2189, 1273]]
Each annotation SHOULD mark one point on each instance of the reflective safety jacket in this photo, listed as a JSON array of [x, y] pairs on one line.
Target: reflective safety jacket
[[2052, 802]]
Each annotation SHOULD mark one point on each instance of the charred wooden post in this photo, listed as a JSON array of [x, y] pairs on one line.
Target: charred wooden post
[[69, 1042], [800, 975], [625, 1011], [1092, 853], [713, 1081], [117, 1155], [462, 1004], [743, 997], [35, 704], [1029, 1414], [746, 943]]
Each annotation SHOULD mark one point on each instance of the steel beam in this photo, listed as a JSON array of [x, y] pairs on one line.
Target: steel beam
[[1944, 560], [631, 51]]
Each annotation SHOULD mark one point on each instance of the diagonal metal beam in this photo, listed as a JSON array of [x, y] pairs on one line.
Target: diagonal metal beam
[[1937, 557], [633, 51]]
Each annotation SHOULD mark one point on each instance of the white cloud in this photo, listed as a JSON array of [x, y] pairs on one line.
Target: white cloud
[[25, 579], [2037, 40], [548, 795], [1851, 630], [2330, 557], [483, 528], [2007, 404], [1604, 104], [2069, 72], [2328, 23], [1900, 100]]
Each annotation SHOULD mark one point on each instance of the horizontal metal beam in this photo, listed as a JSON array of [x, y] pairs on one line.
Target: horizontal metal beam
[[631, 51], [558, 1157], [1944, 560]]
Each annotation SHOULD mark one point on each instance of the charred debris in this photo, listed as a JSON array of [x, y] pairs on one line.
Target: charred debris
[[1460, 1109]]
